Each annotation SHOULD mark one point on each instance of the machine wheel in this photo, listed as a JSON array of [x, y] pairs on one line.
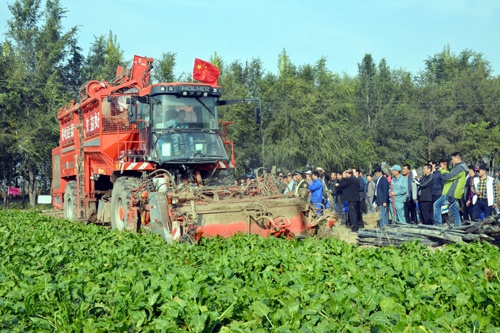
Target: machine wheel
[[121, 196], [186, 238], [69, 204]]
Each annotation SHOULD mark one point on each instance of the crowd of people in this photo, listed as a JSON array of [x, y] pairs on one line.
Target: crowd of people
[[442, 191]]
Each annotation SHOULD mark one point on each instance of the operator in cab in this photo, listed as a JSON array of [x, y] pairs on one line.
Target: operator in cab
[[176, 119]]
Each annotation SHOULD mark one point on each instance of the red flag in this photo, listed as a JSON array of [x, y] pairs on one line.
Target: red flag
[[204, 71], [14, 191]]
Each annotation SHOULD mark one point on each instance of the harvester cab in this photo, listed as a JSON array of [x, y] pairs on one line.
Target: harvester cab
[[179, 123]]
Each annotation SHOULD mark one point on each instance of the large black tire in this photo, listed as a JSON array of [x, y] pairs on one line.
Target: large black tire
[[69, 201], [120, 204]]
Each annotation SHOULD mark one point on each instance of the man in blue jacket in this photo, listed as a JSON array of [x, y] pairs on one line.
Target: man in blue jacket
[[399, 190], [316, 188], [382, 197]]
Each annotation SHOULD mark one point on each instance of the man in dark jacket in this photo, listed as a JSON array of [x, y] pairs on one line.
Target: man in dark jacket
[[437, 181], [333, 191], [425, 195], [362, 191], [468, 193], [350, 192], [382, 197], [362, 196], [411, 197]]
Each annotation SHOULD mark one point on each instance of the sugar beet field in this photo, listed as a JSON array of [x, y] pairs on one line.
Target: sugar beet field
[[58, 276]]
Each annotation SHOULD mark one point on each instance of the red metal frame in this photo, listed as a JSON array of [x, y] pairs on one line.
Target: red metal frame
[[228, 144], [102, 136]]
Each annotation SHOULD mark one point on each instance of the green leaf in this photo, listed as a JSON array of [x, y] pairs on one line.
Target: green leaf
[[260, 309], [198, 322], [462, 299], [228, 313]]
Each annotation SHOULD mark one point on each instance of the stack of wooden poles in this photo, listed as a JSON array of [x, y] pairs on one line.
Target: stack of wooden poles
[[487, 230]]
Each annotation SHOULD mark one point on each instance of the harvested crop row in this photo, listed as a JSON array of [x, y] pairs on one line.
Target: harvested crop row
[[61, 276]]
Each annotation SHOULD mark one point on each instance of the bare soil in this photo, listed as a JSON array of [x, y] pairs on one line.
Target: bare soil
[[344, 233], [53, 213]]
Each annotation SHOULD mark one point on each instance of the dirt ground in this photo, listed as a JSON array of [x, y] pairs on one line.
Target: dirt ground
[[344, 233], [53, 213]]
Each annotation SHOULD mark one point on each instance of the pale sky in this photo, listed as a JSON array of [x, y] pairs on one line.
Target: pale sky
[[405, 33]]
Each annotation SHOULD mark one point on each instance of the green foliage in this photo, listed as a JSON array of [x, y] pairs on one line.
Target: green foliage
[[314, 117], [61, 276], [485, 143], [39, 52], [163, 71], [104, 57]]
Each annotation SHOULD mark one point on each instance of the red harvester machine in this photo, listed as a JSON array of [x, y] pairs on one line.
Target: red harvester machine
[[146, 156]]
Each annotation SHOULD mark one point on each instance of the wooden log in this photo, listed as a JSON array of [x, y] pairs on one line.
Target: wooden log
[[487, 230], [435, 234]]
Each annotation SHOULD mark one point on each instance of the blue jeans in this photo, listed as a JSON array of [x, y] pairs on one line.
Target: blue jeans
[[384, 216], [453, 206], [336, 205]]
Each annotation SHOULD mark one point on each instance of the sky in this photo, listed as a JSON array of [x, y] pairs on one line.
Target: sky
[[404, 32]]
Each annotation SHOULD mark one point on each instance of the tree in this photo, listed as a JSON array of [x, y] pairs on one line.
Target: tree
[[365, 92], [485, 144], [163, 71], [244, 131], [285, 66], [456, 90], [103, 58], [8, 123], [41, 52]]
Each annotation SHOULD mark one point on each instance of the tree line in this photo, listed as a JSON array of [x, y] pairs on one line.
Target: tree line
[[310, 115]]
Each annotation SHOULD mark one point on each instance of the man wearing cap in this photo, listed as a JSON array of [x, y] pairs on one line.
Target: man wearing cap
[[301, 187], [453, 189], [485, 194], [399, 190], [308, 176]]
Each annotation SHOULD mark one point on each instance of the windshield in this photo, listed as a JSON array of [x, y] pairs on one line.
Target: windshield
[[170, 111], [188, 145]]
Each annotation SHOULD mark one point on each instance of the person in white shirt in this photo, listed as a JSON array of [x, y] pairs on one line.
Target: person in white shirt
[[485, 194]]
